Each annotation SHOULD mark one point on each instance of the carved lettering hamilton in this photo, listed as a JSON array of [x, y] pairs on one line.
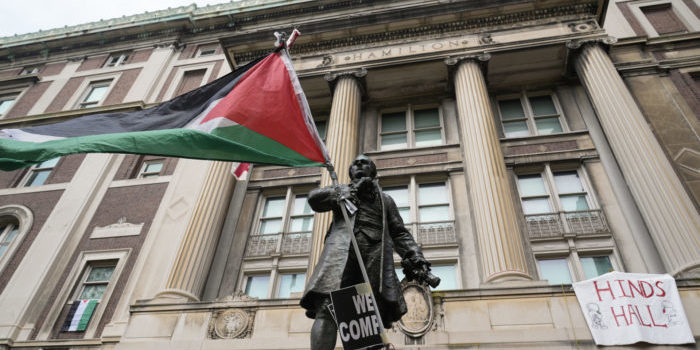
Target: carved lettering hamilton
[[402, 50]]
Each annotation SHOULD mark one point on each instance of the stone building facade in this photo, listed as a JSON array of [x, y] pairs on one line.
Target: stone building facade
[[528, 144]]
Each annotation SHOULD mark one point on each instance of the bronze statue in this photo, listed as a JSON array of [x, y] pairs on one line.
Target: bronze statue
[[379, 230]]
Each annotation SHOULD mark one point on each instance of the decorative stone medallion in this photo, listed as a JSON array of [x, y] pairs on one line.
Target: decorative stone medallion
[[419, 318], [232, 324]]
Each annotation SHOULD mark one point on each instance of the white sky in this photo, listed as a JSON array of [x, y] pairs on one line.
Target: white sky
[[27, 16]]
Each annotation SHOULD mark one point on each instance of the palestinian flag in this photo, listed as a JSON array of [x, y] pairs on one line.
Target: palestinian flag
[[79, 315], [257, 113]]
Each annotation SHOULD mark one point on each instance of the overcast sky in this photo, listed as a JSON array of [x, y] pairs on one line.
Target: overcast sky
[[27, 16]]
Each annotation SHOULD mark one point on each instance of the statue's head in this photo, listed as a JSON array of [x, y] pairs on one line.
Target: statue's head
[[361, 167]]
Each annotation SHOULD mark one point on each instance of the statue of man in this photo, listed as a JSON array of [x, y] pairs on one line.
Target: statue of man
[[378, 229]]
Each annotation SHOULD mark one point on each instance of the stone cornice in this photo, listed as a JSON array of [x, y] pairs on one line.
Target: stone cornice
[[191, 12], [473, 25]]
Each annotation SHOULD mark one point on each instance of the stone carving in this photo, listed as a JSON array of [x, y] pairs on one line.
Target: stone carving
[[578, 43], [581, 27], [232, 324], [327, 61], [419, 318], [486, 39], [238, 295], [480, 57], [462, 26], [357, 73], [118, 229]]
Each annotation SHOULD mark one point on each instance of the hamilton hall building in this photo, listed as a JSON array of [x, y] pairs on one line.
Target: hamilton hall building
[[528, 145]]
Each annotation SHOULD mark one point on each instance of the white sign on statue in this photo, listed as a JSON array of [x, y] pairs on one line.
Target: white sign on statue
[[625, 308]]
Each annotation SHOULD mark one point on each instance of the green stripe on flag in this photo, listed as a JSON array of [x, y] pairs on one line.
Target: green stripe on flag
[[232, 143], [87, 314]]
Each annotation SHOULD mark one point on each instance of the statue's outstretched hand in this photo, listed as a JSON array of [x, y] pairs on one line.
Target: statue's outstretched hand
[[416, 268]]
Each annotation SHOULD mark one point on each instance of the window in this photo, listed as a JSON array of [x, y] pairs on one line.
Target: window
[[8, 231], [30, 70], [15, 222], [567, 187], [151, 168], [663, 18], [88, 294], [273, 218], [555, 271], [563, 270], [419, 127], [206, 50], [95, 93], [290, 283], [446, 272], [321, 126], [430, 203], [39, 173], [257, 286], [117, 59], [530, 115], [594, 266], [425, 210], [284, 225], [190, 80], [95, 280], [6, 103]]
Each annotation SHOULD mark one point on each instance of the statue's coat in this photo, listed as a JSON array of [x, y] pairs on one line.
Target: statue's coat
[[376, 249]]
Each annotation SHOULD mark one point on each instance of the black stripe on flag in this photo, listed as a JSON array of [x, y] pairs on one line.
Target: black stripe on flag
[[172, 114], [69, 318]]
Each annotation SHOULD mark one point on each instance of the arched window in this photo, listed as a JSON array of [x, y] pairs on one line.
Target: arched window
[[15, 222]]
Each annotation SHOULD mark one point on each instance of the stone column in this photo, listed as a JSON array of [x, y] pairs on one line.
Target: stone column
[[189, 273], [668, 211], [341, 141], [498, 234]]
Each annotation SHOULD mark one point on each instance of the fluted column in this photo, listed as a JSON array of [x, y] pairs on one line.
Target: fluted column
[[341, 141], [189, 274], [670, 215], [500, 242]]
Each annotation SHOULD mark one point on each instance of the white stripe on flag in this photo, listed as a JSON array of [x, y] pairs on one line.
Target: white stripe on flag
[[212, 124], [78, 315], [19, 135]]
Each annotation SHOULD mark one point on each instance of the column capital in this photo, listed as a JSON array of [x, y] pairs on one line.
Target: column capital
[[481, 57], [574, 47], [576, 44], [354, 73]]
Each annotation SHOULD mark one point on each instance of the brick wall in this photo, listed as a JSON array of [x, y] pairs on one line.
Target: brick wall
[[138, 204], [131, 165], [140, 56], [122, 86], [41, 204], [26, 102], [64, 95], [92, 62], [52, 69]]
